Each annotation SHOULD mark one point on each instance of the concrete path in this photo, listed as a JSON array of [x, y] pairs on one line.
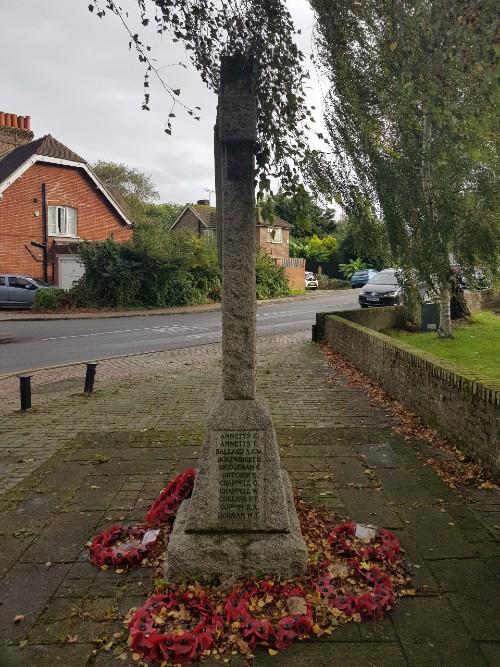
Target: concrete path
[[104, 458]]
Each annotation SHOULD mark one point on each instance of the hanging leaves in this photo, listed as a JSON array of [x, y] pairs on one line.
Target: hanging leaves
[[262, 28], [412, 117]]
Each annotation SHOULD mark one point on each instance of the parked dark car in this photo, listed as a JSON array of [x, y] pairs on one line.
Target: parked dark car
[[360, 278], [18, 291], [383, 290]]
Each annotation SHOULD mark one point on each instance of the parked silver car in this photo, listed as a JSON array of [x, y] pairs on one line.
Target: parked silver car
[[18, 291]]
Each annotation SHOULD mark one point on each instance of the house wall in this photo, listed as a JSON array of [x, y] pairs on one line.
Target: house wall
[[189, 223], [21, 219], [273, 249], [459, 407]]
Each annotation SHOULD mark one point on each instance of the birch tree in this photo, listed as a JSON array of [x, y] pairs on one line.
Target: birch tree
[[413, 127]]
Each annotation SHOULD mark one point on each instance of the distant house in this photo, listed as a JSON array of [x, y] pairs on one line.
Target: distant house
[[200, 219], [50, 200]]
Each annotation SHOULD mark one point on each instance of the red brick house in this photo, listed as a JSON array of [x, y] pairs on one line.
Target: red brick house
[[50, 199], [199, 219]]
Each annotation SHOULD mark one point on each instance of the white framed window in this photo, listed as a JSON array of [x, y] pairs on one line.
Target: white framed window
[[274, 235], [62, 221]]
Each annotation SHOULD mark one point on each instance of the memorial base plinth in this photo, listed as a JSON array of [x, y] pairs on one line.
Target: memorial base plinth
[[199, 555]]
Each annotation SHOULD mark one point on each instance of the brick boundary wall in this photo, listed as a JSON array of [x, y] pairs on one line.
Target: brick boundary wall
[[459, 407], [478, 300]]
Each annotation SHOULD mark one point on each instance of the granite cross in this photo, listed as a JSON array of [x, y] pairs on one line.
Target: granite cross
[[241, 517]]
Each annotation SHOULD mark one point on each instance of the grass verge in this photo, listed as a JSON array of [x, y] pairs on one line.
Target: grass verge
[[475, 347]]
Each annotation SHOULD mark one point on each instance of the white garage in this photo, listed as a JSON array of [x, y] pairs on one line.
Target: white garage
[[69, 270]]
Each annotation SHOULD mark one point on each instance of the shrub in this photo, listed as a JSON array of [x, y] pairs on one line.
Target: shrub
[[50, 298], [314, 248], [159, 269], [271, 280], [353, 265], [325, 282], [153, 271]]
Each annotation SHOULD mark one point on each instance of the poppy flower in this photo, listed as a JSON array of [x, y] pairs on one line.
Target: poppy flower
[[365, 605], [286, 633], [345, 603], [302, 624], [255, 631]]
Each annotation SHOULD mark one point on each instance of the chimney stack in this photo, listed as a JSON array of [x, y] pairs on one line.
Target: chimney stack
[[14, 131], [203, 202]]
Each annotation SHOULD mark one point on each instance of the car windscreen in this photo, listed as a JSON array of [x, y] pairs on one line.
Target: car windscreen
[[384, 279], [360, 274], [39, 283]]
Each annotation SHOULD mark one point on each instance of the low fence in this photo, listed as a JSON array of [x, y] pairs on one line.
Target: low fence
[[330, 269], [295, 268], [461, 408]]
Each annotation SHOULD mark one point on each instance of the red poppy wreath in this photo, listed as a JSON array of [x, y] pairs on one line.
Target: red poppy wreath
[[371, 604], [365, 543], [119, 546], [168, 502], [177, 627], [284, 604]]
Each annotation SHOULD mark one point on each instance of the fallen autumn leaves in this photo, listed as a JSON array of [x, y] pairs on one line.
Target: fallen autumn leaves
[[452, 465], [355, 573]]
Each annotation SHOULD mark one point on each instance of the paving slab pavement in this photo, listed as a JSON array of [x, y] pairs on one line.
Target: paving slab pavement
[[78, 463]]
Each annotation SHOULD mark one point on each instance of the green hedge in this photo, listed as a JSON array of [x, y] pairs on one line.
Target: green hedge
[[50, 298], [271, 280], [157, 269], [324, 282], [128, 275]]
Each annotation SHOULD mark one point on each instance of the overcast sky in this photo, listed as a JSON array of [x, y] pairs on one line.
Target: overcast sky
[[73, 74]]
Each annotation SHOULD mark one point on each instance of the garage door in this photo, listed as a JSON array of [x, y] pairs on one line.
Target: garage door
[[70, 269]]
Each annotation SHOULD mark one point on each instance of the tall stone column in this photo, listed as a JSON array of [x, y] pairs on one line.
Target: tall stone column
[[237, 123], [241, 517], [218, 193]]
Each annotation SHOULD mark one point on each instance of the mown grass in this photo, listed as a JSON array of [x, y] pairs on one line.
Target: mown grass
[[475, 347]]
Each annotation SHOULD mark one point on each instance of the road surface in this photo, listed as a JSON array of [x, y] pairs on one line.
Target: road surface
[[51, 342]]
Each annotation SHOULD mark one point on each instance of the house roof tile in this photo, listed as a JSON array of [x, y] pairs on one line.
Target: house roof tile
[[206, 213], [49, 146], [208, 217]]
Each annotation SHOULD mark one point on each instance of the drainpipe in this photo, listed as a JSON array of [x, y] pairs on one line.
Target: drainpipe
[[45, 248]]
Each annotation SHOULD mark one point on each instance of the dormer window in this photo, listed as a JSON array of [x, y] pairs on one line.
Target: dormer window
[[62, 221]]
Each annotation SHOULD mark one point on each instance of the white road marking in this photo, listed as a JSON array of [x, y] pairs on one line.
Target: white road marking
[[173, 328]]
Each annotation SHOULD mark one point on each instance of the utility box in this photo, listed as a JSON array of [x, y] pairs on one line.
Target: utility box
[[430, 317]]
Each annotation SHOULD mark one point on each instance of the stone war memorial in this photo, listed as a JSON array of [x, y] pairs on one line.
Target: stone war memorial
[[241, 518], [236, 552]]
